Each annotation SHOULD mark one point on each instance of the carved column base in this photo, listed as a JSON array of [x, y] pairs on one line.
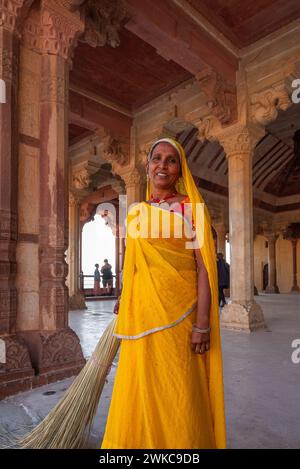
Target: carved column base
[[295, 289], [16, 373], [77, 301], [247, 317], [55, 355], [272, 289]]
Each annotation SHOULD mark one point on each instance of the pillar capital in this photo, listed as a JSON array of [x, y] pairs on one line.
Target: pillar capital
[[55, 30], [133, 177], [239, 139], [271, 236], [9, 11], [75, 198]]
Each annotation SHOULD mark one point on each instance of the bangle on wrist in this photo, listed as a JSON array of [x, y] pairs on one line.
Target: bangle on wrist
[[200, 329]]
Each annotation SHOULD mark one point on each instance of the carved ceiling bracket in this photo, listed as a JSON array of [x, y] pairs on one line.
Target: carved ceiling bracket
[[102, 22], [220, 94], [115, 150], [82, 174], [264, 106]]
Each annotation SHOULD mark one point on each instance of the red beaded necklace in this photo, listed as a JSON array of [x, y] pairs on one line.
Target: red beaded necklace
[[157, 200]]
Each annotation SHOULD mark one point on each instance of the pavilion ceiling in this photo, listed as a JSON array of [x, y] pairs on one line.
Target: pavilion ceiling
[[130, 75], [246, 22]]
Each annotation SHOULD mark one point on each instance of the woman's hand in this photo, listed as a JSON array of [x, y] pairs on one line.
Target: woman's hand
[[200, 342], [116, 308]]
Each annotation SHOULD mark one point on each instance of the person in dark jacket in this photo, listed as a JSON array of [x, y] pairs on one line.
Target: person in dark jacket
[[107, 276], [223, 277]]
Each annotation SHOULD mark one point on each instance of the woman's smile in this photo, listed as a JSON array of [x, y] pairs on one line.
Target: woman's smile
[[162, 175]]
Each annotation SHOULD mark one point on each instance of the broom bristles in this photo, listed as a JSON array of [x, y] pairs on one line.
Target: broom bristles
[[68, 424]]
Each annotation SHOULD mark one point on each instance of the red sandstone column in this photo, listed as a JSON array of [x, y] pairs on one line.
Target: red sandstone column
[[221, 238], [16, 372], [76, 299], [54, 347], [8, 171]]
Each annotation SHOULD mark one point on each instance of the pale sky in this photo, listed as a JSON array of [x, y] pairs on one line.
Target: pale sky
[[98, 243]]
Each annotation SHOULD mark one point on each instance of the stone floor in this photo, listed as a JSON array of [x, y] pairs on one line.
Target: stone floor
[[261, 381]]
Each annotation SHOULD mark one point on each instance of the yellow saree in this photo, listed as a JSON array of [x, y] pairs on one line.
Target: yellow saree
[[165, 396]]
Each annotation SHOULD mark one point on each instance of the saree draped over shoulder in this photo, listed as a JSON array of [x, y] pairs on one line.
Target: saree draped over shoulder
[[165, 396]]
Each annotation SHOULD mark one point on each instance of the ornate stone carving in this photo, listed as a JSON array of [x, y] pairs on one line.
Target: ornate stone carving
[[114, 150], [9, 10], [6, 64], [59, 348], [8, 225], [55, 31], [16, 355], [221, 95], [8, 300], [132, 178], [176, 126], [265, 105], [53, 89], [102, 22], [81, 177], [74, 199], [208, 128], [143, 153], [238, 139]]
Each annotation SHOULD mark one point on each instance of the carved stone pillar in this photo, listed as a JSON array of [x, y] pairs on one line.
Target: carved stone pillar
[[295, 287], [271, 287], [292, 233], [134, 182], [54, 347], [16, 372], [221, 237], [76, 299], [8, 173], [243, 312]]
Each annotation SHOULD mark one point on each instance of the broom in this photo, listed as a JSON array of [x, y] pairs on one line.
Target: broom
[[68, 424]]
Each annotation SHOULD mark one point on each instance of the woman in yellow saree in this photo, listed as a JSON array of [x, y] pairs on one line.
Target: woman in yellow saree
[[168, 390]]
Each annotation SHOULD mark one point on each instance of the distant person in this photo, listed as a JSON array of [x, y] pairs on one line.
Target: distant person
[[107, 276], [97, 278], [223, 277]]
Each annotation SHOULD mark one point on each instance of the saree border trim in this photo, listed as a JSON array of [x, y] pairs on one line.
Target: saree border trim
[[156, 329]]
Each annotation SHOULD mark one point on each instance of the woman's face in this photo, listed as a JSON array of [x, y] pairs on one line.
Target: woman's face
[[164, 166]]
